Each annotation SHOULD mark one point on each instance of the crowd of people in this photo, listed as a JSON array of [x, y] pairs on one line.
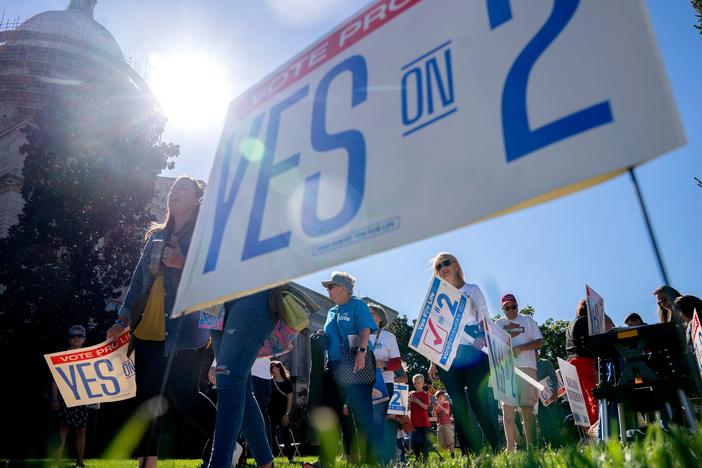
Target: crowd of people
[[255, 395]]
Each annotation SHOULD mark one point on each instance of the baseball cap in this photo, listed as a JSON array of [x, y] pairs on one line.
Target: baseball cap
[[76, 330], [340, 278], [507, 298]]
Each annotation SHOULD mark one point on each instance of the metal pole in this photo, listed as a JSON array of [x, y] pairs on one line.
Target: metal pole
[[651, 235]]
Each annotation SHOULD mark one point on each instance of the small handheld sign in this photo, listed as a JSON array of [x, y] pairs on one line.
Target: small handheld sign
[[502, 377], [575, 393], [97, 374], [595, 311], [697, 339], [399, 400]]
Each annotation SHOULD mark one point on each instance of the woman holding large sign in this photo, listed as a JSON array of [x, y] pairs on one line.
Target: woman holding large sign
[[146, 308], [467, 379]]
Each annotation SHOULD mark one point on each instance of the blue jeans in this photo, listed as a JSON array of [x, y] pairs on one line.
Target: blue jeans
[[384, 431], [359, 397], [247, 324]]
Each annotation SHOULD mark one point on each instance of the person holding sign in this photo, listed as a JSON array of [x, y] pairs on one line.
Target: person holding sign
[[467, 380], [347, 329], [580, 355], [146, 310], [526, 339], [75, 418]]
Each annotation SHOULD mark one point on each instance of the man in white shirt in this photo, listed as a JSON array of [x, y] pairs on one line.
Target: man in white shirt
[[526, 339]]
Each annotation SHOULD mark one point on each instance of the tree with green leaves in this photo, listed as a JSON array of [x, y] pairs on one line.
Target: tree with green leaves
[[554, 332], [89, 175], [697, 5]]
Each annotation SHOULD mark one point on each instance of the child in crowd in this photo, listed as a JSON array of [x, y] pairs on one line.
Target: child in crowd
[[419, 415], [442, 412]]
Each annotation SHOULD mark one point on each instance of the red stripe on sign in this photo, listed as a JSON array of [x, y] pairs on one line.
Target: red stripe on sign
[[322, 51], [91, 353]]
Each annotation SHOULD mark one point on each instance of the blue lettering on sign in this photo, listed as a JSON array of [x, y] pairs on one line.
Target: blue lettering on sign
[[70, 381], [520, 140], [424, 77], [128, 368], [396, 399], [253, 246], [312, 225], [458, 316], [225, 201], [351, 140], [359, 235], [422, 319], [106, 377], [86, 381]]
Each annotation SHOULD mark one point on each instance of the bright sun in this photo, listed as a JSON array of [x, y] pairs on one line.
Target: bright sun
[[191, 88]]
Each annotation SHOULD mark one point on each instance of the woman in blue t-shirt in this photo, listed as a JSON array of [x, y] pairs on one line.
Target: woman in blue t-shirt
[[348, 327]]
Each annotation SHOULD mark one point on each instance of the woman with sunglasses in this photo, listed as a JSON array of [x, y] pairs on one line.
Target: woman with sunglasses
[[349, 320], [75, 418], [467, 379]]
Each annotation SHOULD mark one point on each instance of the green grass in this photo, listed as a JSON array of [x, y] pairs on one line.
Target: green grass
[[678, 449]]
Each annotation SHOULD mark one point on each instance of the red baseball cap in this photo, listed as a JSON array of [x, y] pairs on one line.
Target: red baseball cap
[[507, 298]]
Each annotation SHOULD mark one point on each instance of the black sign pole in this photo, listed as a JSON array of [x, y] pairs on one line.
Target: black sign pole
[[647, 220]]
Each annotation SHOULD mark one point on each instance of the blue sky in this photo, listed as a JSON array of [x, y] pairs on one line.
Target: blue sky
[[545, 254]]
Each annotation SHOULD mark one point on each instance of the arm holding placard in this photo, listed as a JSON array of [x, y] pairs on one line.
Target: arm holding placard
[[530, 346]]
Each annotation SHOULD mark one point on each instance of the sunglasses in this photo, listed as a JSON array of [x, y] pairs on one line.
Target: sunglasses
[[76, 336], [513, 307], [331, 286], [445, 263]]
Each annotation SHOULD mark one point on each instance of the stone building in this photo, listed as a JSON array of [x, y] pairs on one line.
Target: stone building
[[50, 52]]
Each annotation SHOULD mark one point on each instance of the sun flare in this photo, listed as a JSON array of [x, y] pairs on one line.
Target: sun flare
[[191, 87]]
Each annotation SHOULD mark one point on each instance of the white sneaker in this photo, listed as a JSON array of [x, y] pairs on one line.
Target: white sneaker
[[238, 450]]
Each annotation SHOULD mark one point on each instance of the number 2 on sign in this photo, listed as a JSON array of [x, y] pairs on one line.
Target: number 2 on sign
[[396, 399], [520, 140], [452, 306]]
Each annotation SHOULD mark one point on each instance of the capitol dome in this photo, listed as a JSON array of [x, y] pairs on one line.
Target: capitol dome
[[76, 23]]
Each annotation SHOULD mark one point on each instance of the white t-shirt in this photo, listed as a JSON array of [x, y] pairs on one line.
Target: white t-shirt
[[522, 329], [385, 349], [262, 368], [475, 310]]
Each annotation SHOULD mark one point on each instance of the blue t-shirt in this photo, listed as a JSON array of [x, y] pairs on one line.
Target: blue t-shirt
[[354, 316]]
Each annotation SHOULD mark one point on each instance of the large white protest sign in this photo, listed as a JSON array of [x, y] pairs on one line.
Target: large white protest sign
[[595, 311], [502, 377], [97, 374], [365, 140], [399, 400], [576, 400], [697, 339], [440, 323]]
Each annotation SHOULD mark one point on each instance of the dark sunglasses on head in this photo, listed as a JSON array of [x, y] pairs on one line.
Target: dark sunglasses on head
[[76, 336], [445, 263], [512, 307], [330, 287]]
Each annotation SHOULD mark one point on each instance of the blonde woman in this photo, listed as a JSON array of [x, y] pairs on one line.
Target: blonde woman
[[467, 380]]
